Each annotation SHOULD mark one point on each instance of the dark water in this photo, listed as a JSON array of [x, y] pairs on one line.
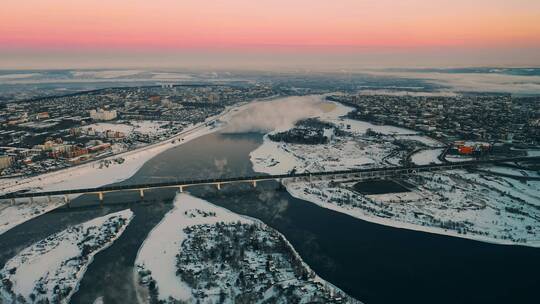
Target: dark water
[[381, 187], [373, 263]]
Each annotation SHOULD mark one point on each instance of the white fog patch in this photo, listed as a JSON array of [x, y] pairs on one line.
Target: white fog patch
[[221, 164], [171, 76], [408, 93], [475, 82], [18, 76], [105, 74], [282, 114]]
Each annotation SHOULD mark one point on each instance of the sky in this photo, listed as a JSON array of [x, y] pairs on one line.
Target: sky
[[268, 33]]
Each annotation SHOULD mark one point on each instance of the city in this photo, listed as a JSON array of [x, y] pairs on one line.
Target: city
[[43, 135]]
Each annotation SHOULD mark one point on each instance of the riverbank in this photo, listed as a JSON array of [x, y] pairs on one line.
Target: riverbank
[[97, 173], [469, 205], [224, 256], [51, 269]]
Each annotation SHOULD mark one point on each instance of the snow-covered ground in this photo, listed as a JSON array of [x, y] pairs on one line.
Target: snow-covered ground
[[50, 270], [512, 171], [279, 158], [93, 174], [13, 215], [458, 158], [158, 257], [149, 127], [354, 150], [426, 157], [362, 126], [457, 203]]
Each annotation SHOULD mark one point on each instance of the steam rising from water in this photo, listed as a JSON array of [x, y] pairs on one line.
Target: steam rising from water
[[281, 114]]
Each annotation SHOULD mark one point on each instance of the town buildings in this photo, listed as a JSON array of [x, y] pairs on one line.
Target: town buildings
[[103, 115], [56, 131], [494, 119]]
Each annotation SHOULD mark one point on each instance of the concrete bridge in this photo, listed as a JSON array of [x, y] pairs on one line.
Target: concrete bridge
[[181, 185]]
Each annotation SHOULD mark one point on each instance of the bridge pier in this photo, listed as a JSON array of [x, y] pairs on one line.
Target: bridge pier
[[12, 201], [280, 186], [218, 185], [254, 183], [49, 199], [31, 200], [141, 193], [181, 189], [100, 196], [66, 201]]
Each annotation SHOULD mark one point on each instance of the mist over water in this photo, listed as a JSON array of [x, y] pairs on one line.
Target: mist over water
[[276, 115]]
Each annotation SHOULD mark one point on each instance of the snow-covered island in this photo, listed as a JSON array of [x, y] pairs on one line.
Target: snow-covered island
[[50, 270], [207, 254], [471, 204]]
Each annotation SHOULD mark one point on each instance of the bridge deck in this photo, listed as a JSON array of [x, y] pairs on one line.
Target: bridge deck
[[255, 178]]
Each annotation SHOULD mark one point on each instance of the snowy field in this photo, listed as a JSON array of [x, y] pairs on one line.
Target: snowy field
[[280, 158], [456, 203], [157, 258], [470, 205], [512, 171], [51, 269], [149, 127], [354, 150], [13, 215], [458, 158], [426, 157]]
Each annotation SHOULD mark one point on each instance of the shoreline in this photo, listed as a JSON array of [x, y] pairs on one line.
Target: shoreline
[[77, 273], [83, 270], [282, 161], [409, 226], [91, 174], [224, 215], [190, 133]]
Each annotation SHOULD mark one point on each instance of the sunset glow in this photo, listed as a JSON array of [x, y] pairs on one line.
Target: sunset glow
[[240, 25]]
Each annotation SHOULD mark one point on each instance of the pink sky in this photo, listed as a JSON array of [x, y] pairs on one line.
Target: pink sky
[[313, 26]]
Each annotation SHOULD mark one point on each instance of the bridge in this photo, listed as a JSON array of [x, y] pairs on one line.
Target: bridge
[[181, 185]]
